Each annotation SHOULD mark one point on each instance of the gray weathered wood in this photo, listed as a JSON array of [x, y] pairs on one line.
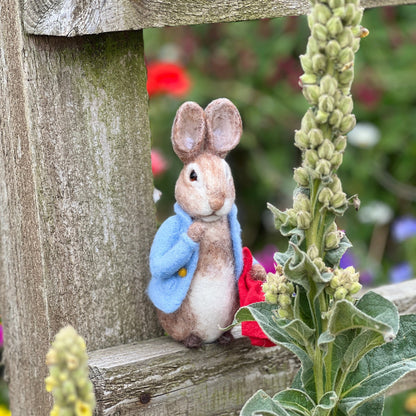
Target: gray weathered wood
[[76, 210], [161, 377], [80, 17]]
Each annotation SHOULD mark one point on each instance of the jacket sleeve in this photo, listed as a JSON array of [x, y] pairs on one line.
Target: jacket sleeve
[[171, 250]]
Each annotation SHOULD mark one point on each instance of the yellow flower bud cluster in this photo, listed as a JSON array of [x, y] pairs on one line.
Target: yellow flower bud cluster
[[344, 284], [279, 290], [68, 375]]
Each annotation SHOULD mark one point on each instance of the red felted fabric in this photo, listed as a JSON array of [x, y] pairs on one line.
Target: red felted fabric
[[250, 291]]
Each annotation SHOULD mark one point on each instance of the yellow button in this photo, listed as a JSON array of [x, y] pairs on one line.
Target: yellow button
[[182, 272]]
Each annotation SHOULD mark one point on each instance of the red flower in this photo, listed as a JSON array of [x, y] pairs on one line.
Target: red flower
[[167, 78], [158, 162]]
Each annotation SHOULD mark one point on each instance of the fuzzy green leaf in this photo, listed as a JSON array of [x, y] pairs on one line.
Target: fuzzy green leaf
[[347, 316], [326, 404], [261, 404], [298, 330], [380, 368], [372, 408], [265, 314], [296, 400], [301, 270]]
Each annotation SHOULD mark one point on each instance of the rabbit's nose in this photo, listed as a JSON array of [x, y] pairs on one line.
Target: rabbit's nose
[[217, 202]]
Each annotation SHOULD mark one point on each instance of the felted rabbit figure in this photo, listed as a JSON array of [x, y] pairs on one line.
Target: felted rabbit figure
[[196, 257]]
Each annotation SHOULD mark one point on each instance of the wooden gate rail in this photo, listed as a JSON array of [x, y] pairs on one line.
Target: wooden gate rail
[[162, 377], [58, 18]]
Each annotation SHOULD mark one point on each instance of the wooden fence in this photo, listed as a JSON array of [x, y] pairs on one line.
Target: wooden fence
[[77, 215]]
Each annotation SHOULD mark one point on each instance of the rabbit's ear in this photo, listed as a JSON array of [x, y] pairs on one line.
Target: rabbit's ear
[[224, 126], [188, 131]]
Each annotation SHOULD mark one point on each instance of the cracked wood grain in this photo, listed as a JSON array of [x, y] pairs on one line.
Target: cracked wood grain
[[80, 17]]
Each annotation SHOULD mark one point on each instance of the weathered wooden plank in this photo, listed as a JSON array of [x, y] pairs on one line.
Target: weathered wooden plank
[[80, 17], [76, 210], [161, 377]]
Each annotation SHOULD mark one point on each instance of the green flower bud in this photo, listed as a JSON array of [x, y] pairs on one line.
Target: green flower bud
[[321, 117], [323, 167], [346, 55], [358, 15], [355, 45], [322, 13], [332, 48], [303, 220], [270, 297], [326, 150], [311, 93], [284, 300], [308, 79], [340, 293], [335, 118], [306, 63], [311, 19], [326, 103], [316, 137], [291, 213], [300, 175], [349, 13], [313, 46], [308, 121], [311, 158], [340, 143], [335, 4], [355, 288], [334, 26], [332, 240], [320, 264], [301, 202], [346, 77], [345, 104], [338, 200], [313, 252], [346, 37], [301, 139], [347, 123], [339, 12], [336, 160], [335, 282], [328, 85], [319, 32], [285, 314], [325, 196], [319, 63], [336, 185]]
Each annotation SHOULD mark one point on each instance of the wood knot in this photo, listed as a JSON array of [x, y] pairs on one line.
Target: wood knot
[[144, 398]]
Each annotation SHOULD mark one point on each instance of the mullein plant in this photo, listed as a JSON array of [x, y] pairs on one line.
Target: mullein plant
[[68, 375], [351, 351]]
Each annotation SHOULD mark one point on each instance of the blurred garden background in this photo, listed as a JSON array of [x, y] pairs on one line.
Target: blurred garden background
[[256, 65]]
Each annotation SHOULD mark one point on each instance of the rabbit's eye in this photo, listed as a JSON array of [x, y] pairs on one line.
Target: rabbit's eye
[[193, 176]]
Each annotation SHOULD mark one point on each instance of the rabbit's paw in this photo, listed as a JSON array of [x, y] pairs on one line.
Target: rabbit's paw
[[257, 272], [196, 231]]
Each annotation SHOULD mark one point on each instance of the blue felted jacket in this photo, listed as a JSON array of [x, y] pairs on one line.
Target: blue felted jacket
[[173, 250]]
